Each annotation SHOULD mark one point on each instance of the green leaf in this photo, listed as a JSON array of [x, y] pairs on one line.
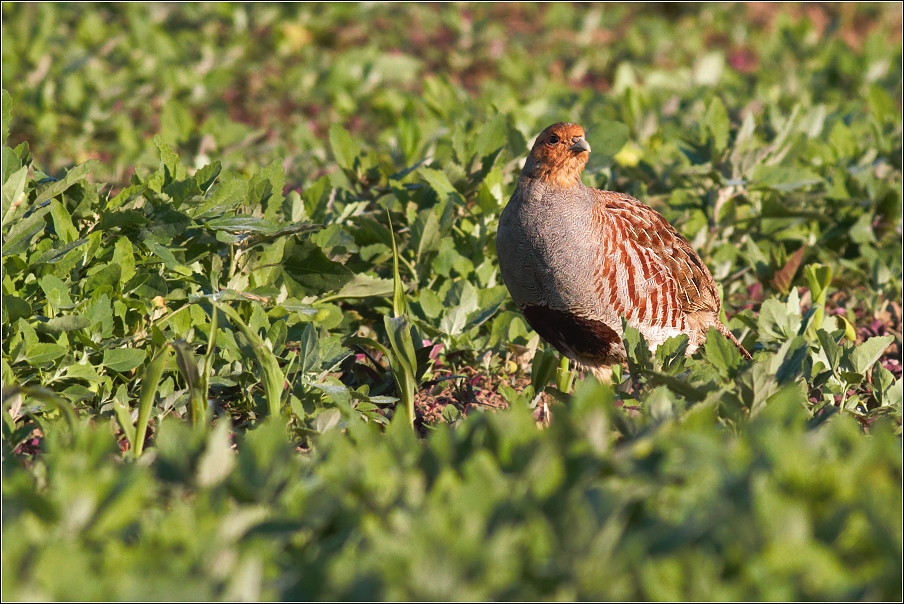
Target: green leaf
[[150, 384], [308, 265], [124, 258], [309, 350], [19, 237], [206, 176], [55, 253], [225, 196], [639, 357], [218, 460], [425, 234], [182, 190], [74, 175], [110, 274], [315, 197], [126, 195], [718, 124], [175, 122], [56, 291], [792, 366], [14, 195], [608, 138], [38, 354], [365, 286], [543, 368], [171, 168], [242, 224], [724, 355], [6, 114], [15, 308], [58, 325], [271, 374], [403, 361], [345, 149], [188, 367], [439, 182], [123, 360], [123, 416], [865, 355], [783, 178], [830, 348]]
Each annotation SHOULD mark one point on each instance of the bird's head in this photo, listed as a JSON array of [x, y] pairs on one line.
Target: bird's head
[[559, 155]]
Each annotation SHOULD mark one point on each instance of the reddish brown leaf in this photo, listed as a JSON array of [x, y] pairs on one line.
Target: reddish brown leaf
[[783, 278]]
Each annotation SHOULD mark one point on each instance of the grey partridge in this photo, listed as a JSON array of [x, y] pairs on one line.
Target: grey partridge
[[577, 260]]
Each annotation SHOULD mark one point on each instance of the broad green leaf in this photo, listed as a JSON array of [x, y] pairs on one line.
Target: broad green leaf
[[124, 258], [20, 236], [41, 353], [206, 176], [58, 325], [639, 357], [14, 195], [15, 308], [345, 149], [242, 224], [110, 274], [56, 291], [171, 168], [175, 122], [52, 255], [126, 195], [439, 182], [225, 196], [784, 178], [308, 265], [865, 355], [74, 175], [607, 138], [365, 286], [316, 197], [123, 360], [182, 190], [723, 354], [425, 233]]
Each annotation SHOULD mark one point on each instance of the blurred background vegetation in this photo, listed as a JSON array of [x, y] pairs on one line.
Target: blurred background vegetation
[[195, 202]]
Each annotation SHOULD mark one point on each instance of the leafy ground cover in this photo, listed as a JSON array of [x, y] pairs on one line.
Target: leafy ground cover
[[246, 247]]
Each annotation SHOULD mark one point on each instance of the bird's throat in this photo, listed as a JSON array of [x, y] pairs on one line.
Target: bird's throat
[[563, 174]]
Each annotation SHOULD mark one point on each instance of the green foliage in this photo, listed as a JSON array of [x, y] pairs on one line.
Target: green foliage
[[492, 509], [278, 223]]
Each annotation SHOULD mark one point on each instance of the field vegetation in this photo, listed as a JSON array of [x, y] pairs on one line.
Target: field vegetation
[[255, 344]]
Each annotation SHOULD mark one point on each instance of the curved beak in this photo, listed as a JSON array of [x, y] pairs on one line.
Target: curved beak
[[580, 145]]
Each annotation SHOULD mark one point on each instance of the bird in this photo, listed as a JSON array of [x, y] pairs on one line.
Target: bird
[[577, 260]]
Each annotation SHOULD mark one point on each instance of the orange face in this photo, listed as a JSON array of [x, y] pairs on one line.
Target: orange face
[[559, 154]]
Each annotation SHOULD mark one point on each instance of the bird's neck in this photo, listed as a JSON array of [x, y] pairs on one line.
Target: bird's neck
[[563, 175]]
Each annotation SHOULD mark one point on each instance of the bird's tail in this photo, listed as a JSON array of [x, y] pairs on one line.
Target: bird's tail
[[727, 333]]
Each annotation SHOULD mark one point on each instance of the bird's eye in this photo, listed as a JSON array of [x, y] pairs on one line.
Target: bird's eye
[[553, 139]]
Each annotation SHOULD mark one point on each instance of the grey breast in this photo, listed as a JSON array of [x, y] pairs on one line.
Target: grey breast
[[547, 245]]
